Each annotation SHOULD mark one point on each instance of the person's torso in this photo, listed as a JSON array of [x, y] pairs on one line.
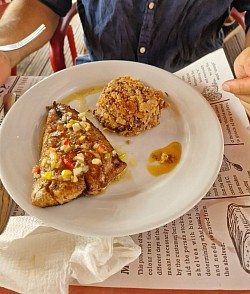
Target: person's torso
[[166, 33]]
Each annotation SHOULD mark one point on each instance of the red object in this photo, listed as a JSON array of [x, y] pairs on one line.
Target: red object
[[64, 29], [66, 142], [239, 17], [68, 163]]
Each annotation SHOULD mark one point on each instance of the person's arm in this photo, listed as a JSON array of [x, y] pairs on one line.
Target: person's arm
[[19, 20], [240, 86]]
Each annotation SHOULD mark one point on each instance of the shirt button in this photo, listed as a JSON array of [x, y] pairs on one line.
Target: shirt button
[[142, 50], [151, 5]]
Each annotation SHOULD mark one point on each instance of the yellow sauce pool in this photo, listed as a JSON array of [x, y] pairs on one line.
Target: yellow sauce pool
[[80, 96]]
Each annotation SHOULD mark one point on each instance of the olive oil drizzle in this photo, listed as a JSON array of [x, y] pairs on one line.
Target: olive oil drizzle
[[80, 96]]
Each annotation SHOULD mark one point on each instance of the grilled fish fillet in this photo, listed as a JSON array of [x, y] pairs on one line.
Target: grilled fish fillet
[[75, 159]]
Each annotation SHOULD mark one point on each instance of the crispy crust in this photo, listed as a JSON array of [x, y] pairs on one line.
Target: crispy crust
[[127, 106], [76, 158]]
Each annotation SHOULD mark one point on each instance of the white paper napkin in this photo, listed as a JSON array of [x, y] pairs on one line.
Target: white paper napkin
[[35, 258]]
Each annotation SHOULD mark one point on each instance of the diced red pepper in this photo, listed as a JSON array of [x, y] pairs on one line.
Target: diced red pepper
[[68, 163], [66, 141], [36, 170]]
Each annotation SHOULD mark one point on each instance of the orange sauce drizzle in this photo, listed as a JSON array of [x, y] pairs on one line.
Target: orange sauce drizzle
[[165, 159]]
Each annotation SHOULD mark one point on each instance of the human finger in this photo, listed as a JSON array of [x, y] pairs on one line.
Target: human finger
[[237, 86], [242, 64]]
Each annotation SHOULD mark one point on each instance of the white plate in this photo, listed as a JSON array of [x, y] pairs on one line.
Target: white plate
[[139, 201]]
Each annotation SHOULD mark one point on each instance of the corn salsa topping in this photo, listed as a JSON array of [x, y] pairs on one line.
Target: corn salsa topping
[[66, 160]]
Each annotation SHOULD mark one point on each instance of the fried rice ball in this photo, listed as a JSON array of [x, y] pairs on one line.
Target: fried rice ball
[[127, 106]]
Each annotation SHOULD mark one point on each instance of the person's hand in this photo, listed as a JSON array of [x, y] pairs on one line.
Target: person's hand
[[240, 86], [5, 68]]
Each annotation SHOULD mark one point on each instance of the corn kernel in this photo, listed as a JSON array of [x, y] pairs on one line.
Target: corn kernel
[[71, 122], [82, 138], [47, 176], [66, 173], [107, 156], [53, 164]]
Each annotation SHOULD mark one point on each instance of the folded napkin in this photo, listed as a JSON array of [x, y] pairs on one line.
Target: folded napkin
[[35, 258]]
